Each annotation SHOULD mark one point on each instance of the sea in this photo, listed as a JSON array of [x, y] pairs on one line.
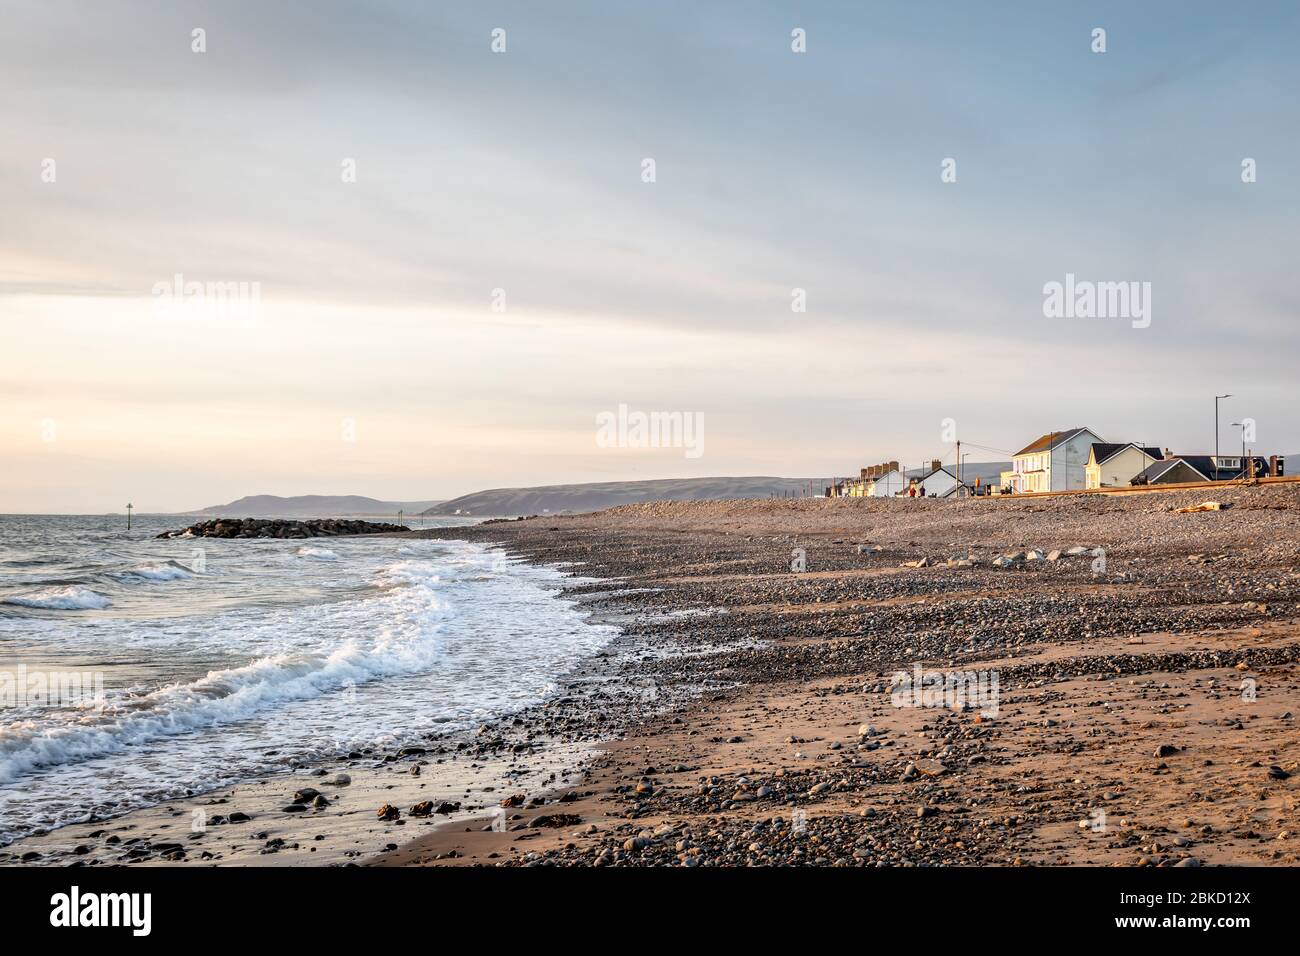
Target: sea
[[135, 670]]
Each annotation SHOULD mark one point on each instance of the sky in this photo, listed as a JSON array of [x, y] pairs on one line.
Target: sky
[[501, 270]]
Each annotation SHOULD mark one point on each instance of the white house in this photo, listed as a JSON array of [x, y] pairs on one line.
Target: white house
[[1057, 461], [938, 482], [888, 484]]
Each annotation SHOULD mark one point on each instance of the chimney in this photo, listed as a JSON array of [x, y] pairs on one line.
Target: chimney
[[1272, 465], [936, 464]]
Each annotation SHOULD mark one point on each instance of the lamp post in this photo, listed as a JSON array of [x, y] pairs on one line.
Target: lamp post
[[1216, 426]]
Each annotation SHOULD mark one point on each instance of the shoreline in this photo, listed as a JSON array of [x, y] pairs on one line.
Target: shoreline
[[746, 715], [541, 747]]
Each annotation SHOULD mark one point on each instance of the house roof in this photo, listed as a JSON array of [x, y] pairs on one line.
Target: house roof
[[1051, 440], [1157, 469], [935, 471], [1206, 466], [1102, 451]]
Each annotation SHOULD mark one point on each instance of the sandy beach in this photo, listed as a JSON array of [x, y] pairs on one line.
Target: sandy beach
[[1135, 708]]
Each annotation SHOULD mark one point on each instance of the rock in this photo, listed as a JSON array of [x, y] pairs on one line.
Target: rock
[[514, 800], [1188, 861], [931, 768], [339, 780], [305, 795], [1166, 750], [422, 809], [555, 820], [1054, 555], [388, 812], [236, 817], [1277, 773], [280, 528]]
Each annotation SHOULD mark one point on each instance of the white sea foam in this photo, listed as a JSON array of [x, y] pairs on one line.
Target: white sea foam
[[61, 599], [397, 640], [165, 571], [402, 639], [320, 554]]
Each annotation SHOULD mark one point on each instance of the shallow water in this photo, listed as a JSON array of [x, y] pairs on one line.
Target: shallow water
[[186, 664]]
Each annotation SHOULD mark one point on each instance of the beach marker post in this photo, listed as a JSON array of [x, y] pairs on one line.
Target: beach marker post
[[128, 516]]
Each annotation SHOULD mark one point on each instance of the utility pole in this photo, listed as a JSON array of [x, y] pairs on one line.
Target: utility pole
[[961, 488], [1216, 428], [128, 516], [1051, 451]]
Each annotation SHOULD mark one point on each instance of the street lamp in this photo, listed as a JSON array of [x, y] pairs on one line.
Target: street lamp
[[1216, 425]]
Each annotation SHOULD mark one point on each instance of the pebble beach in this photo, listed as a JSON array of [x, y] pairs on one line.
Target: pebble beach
[[1137, 668]]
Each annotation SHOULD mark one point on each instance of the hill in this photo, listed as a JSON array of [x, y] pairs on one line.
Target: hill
[[509, 502], [315, 506]]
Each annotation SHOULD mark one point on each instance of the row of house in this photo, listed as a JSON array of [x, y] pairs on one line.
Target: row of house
[[889, 480], [1080, 458], [1074, 458]]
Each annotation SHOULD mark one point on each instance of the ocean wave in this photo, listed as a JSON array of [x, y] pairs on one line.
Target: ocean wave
[[402, 639], [165, 571], [61, 599]]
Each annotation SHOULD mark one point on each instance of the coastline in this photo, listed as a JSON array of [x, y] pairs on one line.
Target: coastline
[[745, 715]]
